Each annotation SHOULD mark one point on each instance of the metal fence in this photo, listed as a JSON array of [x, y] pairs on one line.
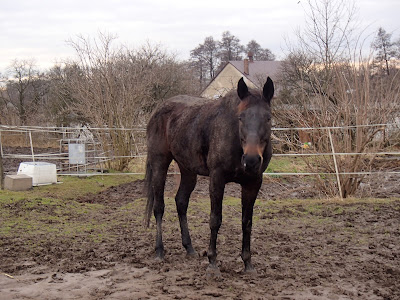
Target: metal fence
[[75, 150], [90, 151]]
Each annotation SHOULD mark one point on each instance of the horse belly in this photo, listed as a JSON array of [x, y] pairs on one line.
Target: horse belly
[[189, 154], [187, 144], [191, 161]]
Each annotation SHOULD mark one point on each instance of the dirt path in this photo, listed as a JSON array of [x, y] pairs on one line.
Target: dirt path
[[302, 249]]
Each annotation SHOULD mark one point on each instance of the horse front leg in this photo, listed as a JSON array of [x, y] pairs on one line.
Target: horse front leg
[[249, 195], [216, 195]]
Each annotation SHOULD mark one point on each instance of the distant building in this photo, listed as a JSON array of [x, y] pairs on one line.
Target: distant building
[[254, 73]]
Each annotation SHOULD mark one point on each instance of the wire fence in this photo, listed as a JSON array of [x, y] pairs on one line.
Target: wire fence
[[95, 153]]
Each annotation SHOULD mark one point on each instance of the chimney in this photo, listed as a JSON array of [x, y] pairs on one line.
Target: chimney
[[251, 56], [246, 66]]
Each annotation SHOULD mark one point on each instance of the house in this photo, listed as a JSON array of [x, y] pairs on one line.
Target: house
[[253, 72]]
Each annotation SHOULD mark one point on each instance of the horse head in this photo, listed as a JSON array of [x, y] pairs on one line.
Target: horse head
[[254, 113]]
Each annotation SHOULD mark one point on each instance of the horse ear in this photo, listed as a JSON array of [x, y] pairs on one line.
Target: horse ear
[[242, 89], [268, 90]]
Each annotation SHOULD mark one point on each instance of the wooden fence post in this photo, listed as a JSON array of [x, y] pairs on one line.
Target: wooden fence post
[[30, 140], [336, 166], [1, 165]]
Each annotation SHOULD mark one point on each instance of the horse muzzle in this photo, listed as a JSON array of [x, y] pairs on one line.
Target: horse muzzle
[[252, 163]]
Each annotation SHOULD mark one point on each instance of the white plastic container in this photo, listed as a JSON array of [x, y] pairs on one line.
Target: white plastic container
[[41, 172]]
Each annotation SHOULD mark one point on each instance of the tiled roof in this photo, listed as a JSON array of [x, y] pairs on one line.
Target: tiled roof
[[258, 69]]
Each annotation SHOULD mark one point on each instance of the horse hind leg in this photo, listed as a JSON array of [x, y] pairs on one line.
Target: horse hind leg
[[159, 175], [186, 187]]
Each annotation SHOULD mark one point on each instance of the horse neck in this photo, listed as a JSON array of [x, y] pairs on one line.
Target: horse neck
[[230, 102]]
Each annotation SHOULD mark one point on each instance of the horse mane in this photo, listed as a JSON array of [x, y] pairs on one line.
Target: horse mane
[[232, 101]]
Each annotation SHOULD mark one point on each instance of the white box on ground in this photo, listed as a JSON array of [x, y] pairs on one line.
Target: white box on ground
[[41, 172]]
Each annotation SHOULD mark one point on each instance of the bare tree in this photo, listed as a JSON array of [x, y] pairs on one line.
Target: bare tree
[[397, 47], [24, 92], [328, 31], [326, 40], [210, 49], [62, 93], [259, 53], [205, 60], [325, 84], [229, 47], [199, 65], [118, 87], [385, 50]]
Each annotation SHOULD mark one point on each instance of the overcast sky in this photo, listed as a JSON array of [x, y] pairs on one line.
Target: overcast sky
[[39, 29]]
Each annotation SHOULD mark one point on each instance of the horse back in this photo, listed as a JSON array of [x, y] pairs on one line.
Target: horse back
[[187, 127]]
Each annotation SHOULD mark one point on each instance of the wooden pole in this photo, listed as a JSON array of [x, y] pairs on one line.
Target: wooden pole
[[30, 139], [1, 165], [1, 173], [1, 146], [336, 166]]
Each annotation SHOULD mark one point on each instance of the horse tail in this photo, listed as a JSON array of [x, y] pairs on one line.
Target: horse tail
[[149, 191]]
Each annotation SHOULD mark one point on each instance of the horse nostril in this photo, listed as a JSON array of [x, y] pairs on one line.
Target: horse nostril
[[251, 162]]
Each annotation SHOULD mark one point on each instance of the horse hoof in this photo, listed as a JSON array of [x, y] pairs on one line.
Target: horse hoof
[[250, 271], [158, 259], [159, 256], [192, 254], [213, 272]]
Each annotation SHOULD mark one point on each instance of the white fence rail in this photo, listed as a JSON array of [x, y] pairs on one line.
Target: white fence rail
[[34, 135]]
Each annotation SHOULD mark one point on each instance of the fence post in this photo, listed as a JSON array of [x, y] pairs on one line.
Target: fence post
[[336, 166], [1, 165], [1, 145], [30, 139]]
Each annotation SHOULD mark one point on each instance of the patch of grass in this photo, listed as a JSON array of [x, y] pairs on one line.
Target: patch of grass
[[232, 201], [286, 165], [73, 187], [7, 197], [52, 210], [38, 216], [70, 188]]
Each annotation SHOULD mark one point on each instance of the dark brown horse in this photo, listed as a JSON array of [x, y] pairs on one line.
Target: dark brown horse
[[226, 139]]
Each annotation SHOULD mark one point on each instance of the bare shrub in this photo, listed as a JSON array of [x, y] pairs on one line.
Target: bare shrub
[[23, 94], [117, 87], [326, 83]]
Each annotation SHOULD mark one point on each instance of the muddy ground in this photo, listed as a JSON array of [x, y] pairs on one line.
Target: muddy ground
[[302, 249]]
